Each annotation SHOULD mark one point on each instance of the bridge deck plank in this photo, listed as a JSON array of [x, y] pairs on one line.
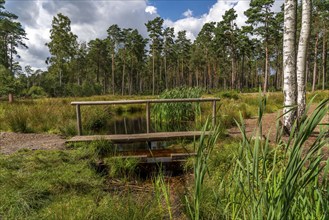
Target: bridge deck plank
[[131, 138]]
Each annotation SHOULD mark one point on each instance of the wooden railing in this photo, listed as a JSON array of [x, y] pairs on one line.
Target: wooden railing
[[148, 102]]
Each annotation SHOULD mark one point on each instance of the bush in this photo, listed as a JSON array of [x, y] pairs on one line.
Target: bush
[[17, 119], [229, 95], [168, 113], [36, 92]]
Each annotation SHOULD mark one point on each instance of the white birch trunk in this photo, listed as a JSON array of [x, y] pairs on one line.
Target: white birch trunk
[[301, 56], [289, 63]]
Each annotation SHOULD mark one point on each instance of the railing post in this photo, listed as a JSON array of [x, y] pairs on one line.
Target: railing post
[[214, 113], [77, 107], [148, 118]]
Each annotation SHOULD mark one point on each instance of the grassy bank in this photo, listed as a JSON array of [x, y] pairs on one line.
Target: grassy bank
[[246, 178], [56, 115]]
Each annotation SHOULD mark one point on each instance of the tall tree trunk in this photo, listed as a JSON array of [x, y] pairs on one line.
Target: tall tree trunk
[[242, 76], [123, 75], [209, 75], [301, 56], [165, 69], [266, 69], [315, 67], [233, 73], [113, 77], [153, 72], [105, 82], [324, 57], [277, 66], [289, 64]]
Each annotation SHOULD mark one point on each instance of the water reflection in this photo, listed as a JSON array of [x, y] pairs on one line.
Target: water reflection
[[136, 124]]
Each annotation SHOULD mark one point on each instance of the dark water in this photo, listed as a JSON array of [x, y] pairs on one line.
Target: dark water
[[136, 124]]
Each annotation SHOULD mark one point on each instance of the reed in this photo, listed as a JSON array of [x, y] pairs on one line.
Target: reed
[[204, 149], [165, 114], [285, 181]]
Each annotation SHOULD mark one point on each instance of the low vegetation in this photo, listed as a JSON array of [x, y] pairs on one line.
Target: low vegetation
[[56, 115], [247, 178]]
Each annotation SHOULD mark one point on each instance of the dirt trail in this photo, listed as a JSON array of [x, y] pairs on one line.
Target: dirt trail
[[269, 128], [268, 125], [11, 142]]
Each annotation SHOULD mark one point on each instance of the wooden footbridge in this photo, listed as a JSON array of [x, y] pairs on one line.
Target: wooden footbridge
[[143, 137]]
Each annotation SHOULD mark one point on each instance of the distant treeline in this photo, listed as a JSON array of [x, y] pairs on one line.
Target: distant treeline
[[223, 56]]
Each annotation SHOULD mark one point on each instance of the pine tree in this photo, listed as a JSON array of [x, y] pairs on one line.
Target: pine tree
[[261, 18], [154, 28], [62, 47]]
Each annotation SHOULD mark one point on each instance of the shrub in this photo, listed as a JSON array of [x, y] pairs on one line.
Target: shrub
[[17, 118], [169, 113], [36, 92], [229, 95]]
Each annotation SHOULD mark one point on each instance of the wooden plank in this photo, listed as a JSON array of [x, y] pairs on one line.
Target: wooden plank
[[79, 126], [143, 101], [148, 117], [130, 138]]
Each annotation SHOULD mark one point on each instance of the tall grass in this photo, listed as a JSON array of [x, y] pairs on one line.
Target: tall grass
[[281, 182], [165, 114], [65, 185], [162, 194], [204, 149], [288, 180]]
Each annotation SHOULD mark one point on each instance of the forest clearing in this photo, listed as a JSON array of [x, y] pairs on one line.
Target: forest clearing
[[136, 110]]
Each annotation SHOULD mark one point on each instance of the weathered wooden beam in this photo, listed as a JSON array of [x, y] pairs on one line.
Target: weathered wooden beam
[[213, 113], [131, 138], [143, 101], [79, 127], [148, 117]]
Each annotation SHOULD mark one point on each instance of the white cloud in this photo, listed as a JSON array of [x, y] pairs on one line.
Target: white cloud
[[89, 20], [151, 10], [193, 25], [188, 13]]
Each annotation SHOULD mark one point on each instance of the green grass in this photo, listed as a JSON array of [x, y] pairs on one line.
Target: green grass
[[170, 115], [66, 185], [259, 180], [248, 178], [57, 116]]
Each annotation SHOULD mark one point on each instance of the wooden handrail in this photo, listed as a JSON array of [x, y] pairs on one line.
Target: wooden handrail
[[145, 101]]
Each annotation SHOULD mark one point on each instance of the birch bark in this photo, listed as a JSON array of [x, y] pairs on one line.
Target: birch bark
[[289, 63], [301, 56]]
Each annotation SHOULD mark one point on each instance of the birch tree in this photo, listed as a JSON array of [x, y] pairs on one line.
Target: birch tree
[[289, 63], [301, 56]]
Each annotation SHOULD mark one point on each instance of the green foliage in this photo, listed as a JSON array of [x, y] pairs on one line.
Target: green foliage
[[162, 193], [288, 181], [168, 113], [36, 92], [63, 185], [6, 81], [17, 119], [12, 35], [204, 150], [122, 168], [101, 148], [230, 95]]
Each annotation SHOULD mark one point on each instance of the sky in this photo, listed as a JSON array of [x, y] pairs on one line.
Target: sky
[[91, 18]]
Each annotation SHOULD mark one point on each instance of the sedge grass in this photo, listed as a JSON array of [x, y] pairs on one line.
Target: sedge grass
[[288, 180]]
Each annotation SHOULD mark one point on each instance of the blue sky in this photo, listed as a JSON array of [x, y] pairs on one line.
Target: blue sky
[[91, 18], [173, 9]]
